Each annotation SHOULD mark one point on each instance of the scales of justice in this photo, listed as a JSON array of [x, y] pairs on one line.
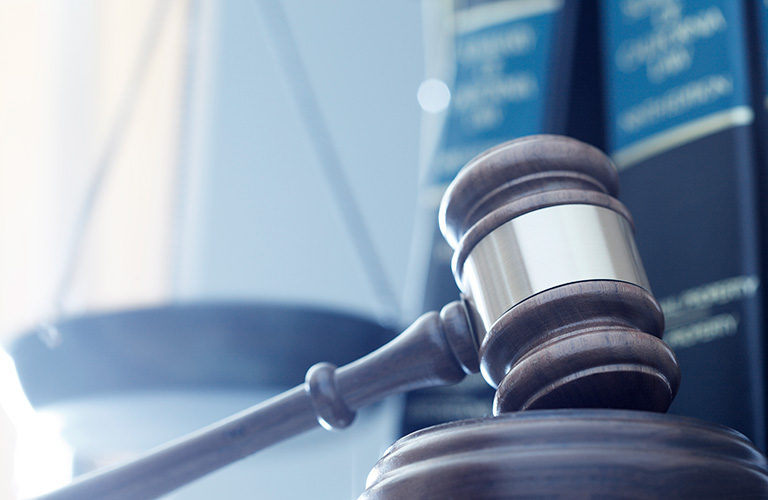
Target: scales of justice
[[556, 313]]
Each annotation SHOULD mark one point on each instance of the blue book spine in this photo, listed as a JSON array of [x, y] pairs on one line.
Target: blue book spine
[[505, 56], [502, 52], [680, 129]]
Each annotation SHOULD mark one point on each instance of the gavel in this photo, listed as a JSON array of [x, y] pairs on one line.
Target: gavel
[[556, 312]]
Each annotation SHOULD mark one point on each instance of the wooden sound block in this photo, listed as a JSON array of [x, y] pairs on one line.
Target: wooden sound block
[[572, 454]]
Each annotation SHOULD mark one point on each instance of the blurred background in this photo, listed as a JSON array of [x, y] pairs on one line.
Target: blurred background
[[210, 183], [201, 199], [159, 152]]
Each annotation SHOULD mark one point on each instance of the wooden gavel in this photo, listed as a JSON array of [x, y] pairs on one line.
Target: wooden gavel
[[556, 313]]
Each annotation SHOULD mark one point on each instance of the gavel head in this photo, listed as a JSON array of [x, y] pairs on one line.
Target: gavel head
[[546, 254]]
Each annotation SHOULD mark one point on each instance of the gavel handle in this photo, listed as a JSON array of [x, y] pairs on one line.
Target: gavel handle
[[437, 349]]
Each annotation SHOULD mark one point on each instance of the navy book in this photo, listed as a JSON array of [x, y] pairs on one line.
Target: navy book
[[679, 126]]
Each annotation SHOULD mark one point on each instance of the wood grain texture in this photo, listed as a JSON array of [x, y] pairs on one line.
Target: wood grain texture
[[520, 168], [572, 454], [583, 345]]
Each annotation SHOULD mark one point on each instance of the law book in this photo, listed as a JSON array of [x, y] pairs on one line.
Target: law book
[[757, 17], [508, 76], [680, 128]]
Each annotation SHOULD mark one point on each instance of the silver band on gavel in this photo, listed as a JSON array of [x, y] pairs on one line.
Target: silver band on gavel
[[547, 248]]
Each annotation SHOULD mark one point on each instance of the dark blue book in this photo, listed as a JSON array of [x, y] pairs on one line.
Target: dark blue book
[[757, 13], [512, 62], [680, 128]]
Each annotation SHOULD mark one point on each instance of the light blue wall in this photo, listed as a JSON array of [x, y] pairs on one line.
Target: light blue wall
[[268, 226]]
